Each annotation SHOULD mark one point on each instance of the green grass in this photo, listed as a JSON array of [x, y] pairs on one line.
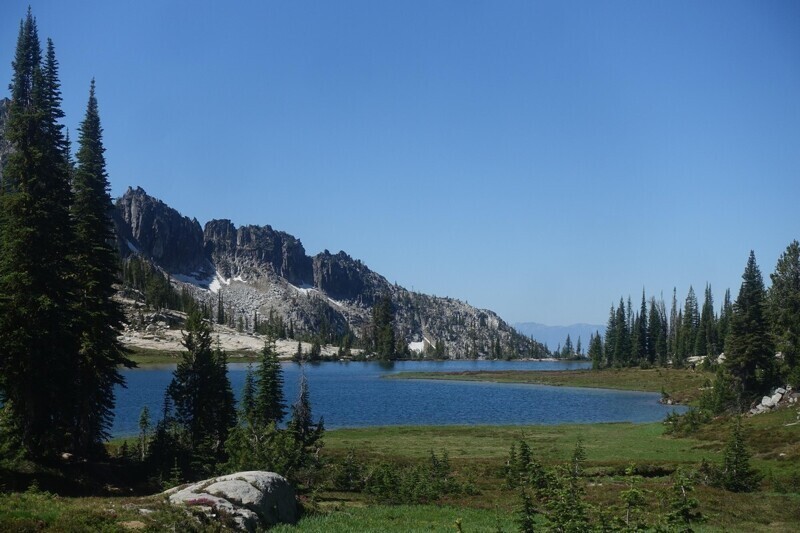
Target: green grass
[[404, 518], [604, 442], [479, 453], [683, 385], [41, 511]]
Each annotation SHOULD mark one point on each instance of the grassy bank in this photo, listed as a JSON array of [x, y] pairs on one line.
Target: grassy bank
[[682, 385]]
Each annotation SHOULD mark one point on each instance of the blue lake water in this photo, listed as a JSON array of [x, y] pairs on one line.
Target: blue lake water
[[354, 395]]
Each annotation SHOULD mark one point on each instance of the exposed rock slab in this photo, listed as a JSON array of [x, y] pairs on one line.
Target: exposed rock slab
[[250, 499]]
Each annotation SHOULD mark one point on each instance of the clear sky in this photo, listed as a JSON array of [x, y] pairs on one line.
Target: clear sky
[[536, 158]]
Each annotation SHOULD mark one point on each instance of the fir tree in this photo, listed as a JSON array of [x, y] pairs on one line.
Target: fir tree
[[611, 336], [689, 327], [383, 328], [684, 506], [37, 330], [305, 431], [622, 346], [723, 324], [100, 317], [706, 341], [750, 356], [653, 332], [269, 403], [247, 405], [784, 309], [674, 325], [641, 332], [737, 474], [144, 432], [596, 350], [201, 393]]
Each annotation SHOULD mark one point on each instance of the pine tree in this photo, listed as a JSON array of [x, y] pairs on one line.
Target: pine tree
[[784, 309], [383, 328], [611, 336], [596, 350], [247, 405], [100, 317], [674, 324], [622, 347], [201, 393], [567, 351], [144, 432], [723, 324], [706, 340], [750, 356], [269, 403], [301, 425], [641, 331], [37, 332], [653, 332], [737, 474], [689, 327]]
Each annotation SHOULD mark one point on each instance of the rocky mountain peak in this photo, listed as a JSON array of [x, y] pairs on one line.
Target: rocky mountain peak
[[149, 226]]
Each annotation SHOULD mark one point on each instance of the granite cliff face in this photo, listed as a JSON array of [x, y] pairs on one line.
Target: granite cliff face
[[258, 270], [148, 226], [251, 248]]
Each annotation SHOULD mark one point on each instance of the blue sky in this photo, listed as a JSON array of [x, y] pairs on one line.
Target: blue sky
[[536, 158]]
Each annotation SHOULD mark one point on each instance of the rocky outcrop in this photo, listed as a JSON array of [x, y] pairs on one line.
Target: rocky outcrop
[[780, 397], [251, 500], [343, 278], [148, 226], [250, 248], [5, 146]]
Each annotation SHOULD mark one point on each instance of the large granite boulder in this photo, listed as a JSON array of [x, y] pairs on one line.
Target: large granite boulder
[[249, 499]]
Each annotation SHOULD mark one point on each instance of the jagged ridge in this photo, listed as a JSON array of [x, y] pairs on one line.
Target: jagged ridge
[[258, 269]]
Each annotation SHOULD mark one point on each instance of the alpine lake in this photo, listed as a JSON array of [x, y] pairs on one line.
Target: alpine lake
[[357, 394]]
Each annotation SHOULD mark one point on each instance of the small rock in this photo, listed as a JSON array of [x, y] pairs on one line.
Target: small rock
[[780, 390], [776, 398], [766, 401]]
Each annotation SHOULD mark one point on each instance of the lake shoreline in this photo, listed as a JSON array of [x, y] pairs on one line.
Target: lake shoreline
[[677, 386]]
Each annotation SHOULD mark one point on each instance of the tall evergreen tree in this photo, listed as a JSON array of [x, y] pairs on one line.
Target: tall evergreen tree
[[611, 336], [706, 342], [751, 355], [596, 350], [201, 392], [302, 426], [653, 331], [622, 347], [269, 402], [641, 346], [674, 325], [689, 326], [37, 333], [784, 307], [95, 258], [383, 328], [723, 324]]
